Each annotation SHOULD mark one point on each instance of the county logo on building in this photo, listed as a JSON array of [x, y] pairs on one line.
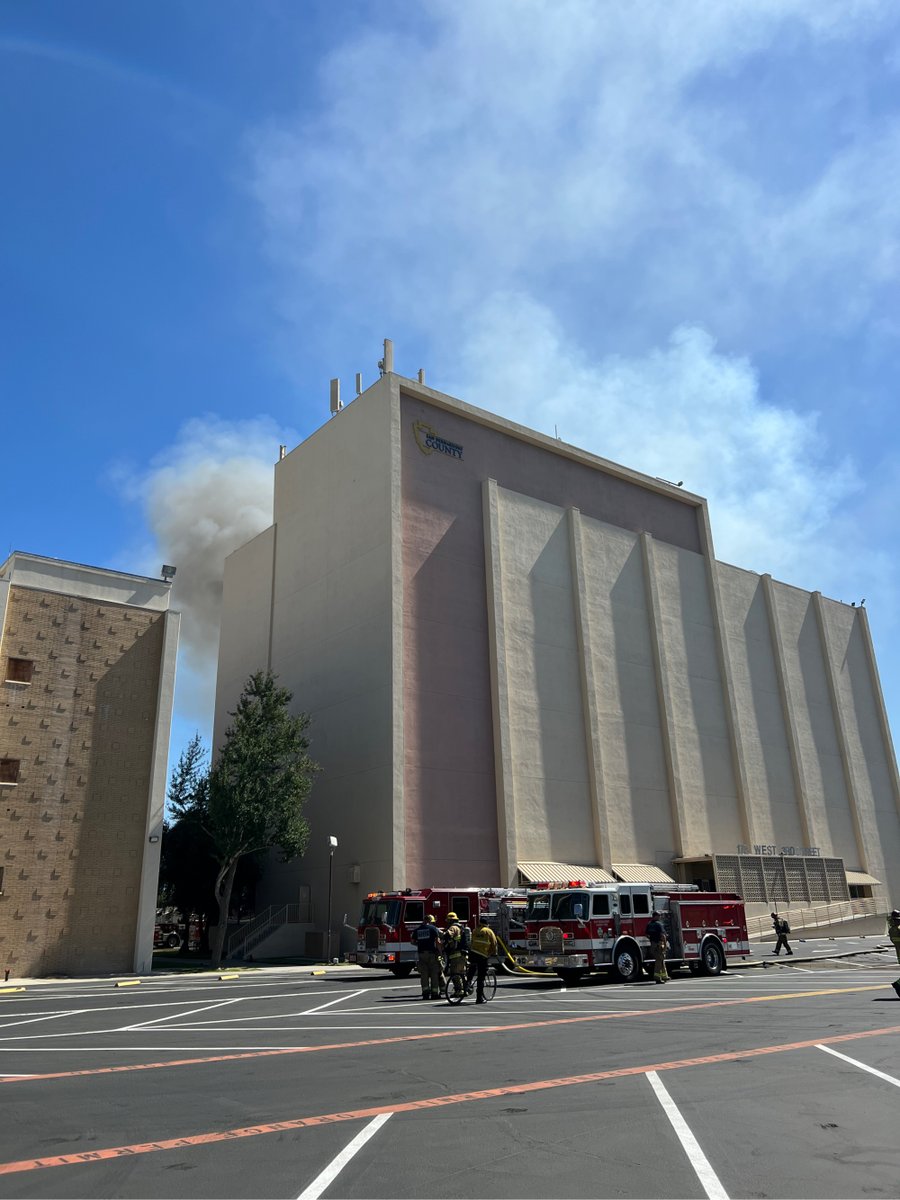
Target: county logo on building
[[428, 441]]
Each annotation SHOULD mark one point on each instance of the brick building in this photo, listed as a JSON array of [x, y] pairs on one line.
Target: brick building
[[88, 660]]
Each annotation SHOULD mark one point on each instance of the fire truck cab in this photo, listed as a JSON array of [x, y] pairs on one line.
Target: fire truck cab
[[388, 921], [579, 929]]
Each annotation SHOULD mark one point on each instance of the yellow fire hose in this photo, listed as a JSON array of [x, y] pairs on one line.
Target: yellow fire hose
[[513, 968]]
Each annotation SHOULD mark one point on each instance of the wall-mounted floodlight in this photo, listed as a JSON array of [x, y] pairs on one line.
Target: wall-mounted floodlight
[[168, 572]]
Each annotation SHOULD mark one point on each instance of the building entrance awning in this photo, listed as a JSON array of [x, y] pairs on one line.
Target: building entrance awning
[[640, 873], [686, 858], [559, 872], [860, 877]]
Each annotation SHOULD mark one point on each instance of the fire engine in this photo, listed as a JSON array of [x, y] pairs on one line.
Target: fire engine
[[388, 921], [577, 929]]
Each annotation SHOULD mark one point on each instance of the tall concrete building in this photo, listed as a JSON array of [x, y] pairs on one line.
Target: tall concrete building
[[89, 669], [521, 659]]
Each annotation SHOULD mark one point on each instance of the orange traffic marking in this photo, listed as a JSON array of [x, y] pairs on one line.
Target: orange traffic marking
[[280, 1051], [442, 1101]]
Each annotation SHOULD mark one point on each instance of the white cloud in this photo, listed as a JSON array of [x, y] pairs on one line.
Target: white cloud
[[684, 411], [511, 145]]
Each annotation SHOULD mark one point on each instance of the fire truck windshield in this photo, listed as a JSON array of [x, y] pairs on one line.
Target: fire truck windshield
[[564, 905], [381, 912], [538, 907]]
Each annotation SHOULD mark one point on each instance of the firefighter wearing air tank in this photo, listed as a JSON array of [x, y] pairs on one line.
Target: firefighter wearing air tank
[[656, 935], [428, 945], [484, 947], [455, 938]]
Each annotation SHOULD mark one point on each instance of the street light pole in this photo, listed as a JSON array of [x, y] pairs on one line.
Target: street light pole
[[332, 846]]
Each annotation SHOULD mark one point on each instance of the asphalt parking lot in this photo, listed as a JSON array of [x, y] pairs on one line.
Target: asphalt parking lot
[[763, 1082]]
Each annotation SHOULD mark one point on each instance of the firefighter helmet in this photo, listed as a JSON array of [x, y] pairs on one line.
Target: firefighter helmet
[[451, 916]]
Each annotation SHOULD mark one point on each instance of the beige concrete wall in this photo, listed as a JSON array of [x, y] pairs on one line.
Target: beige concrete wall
[[695, 701], [245, 626], [73, 833], [868, 762], [772, 793], [553, 808], [818, 749], [333, 633], [632, 752]]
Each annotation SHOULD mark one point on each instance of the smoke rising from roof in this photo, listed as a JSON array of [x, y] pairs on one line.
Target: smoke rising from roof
[[205, 496]]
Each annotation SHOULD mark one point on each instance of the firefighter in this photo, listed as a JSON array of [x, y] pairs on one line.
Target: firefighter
[[484, 946], [453, 947], [893, 932], [656, 935], [428, 944], [782, 929]]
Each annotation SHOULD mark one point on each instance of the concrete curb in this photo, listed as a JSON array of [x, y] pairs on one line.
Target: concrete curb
[[757, 964]]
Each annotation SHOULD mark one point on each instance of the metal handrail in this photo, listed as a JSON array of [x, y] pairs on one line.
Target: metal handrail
[[818, 915], [250, 935]]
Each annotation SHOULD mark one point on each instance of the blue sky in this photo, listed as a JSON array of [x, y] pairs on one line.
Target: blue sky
[[669, 230]]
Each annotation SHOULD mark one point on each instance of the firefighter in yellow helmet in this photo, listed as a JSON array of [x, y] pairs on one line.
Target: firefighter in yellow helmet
[[484, 947], [454, 946]]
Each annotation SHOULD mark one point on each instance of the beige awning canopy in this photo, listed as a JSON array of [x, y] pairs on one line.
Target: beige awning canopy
[[640, 873], [558, 872], [858, 877]]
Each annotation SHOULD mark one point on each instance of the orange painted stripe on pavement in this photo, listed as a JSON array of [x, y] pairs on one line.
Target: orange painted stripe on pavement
[[280, 1051], [363, 1114]]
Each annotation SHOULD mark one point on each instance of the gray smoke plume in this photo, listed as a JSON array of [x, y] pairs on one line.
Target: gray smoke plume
[[204, 497]]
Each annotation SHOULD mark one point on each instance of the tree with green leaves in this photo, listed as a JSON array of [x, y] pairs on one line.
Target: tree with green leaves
[[252, 798]]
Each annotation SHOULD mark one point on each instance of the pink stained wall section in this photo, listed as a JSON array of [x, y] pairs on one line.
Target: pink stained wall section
[[449, 787]]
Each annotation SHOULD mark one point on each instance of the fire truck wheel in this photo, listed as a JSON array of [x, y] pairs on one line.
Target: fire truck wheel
[[712, 958], [627, 962], [173, 940], [570, 977], [403, 971]]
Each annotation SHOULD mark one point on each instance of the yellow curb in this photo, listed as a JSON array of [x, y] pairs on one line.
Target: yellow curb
[[128, 983], [6, 991], [223, 977], [318, 972]]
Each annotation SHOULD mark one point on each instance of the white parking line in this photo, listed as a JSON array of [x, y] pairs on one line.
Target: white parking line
[[337, 1000], [71, 1012], [171, 1017], [709, 1180], [862, 1066], [334, 1168]]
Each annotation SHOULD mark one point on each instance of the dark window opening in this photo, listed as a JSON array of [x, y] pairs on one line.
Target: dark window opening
[[19, 670], [414, 910], [461, 907], [9, 770]]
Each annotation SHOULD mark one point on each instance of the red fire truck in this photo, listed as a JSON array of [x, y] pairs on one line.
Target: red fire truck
[[388, 920], [580, 928]]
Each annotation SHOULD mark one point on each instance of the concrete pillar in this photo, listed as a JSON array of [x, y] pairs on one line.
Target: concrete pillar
[[735, 737], [788, 708], [840, 729], [664, 696], [599, 811], [156, 800], [878, 695], [503, 771]]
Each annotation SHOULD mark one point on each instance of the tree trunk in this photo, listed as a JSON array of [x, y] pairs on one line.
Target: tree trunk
[[224, 884]]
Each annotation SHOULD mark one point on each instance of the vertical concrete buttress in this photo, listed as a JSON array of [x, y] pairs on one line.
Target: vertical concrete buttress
[[593, 744], [840, 729], [503, 773], [664, 696], [811, 834], [883, 722]]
